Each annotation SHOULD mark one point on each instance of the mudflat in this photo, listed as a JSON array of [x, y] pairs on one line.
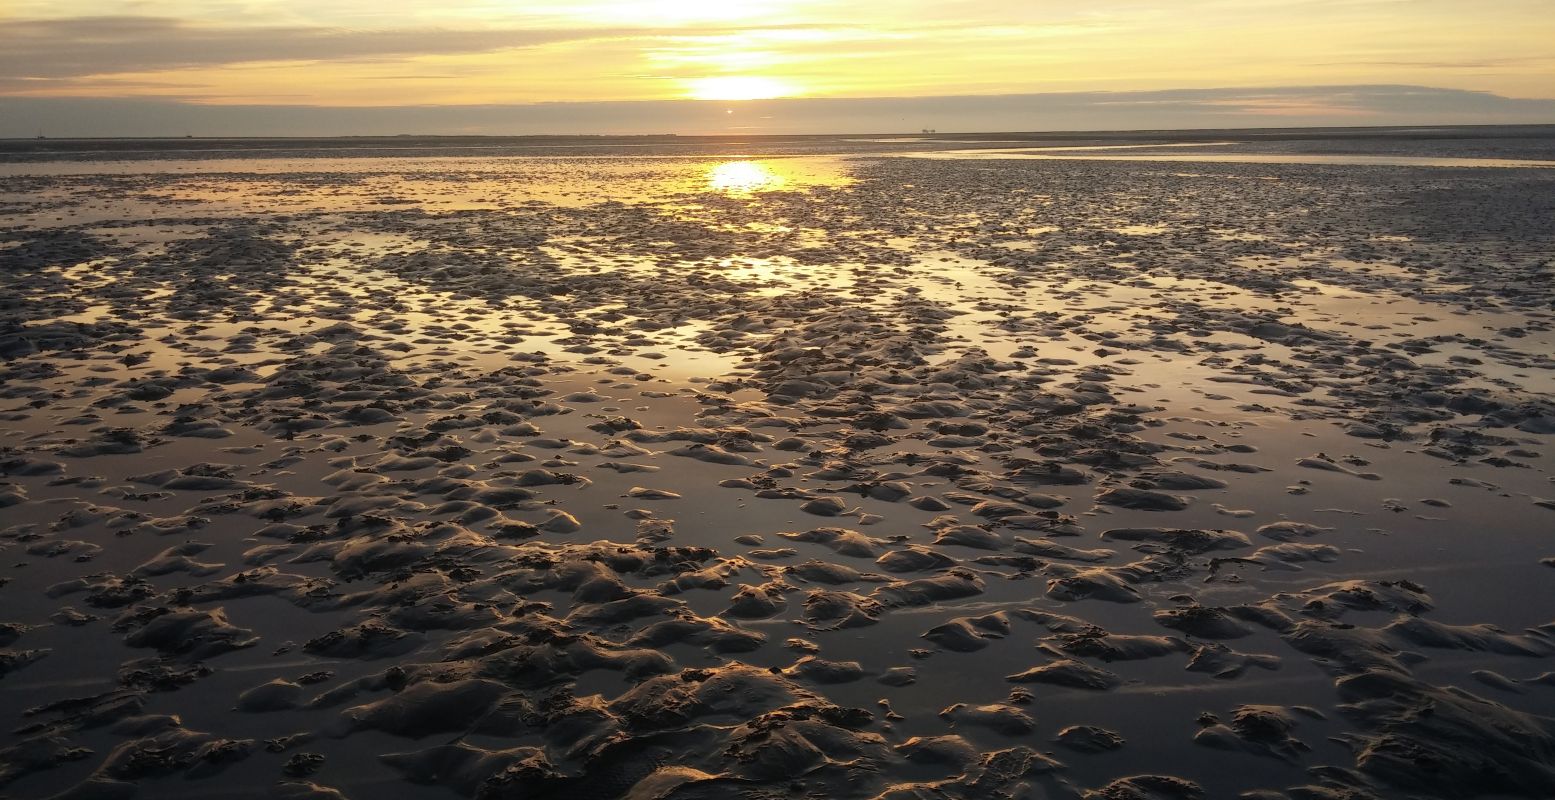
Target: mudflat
[[903, 467]]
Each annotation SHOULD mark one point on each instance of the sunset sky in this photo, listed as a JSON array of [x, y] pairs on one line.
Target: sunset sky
[[333, 54]]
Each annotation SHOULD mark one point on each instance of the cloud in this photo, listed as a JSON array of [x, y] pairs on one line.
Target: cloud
[[1338, 101], [1284, 106], [82, 46], [1481, 63]]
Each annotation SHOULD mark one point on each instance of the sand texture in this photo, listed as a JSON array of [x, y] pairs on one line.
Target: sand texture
[[730, 473]]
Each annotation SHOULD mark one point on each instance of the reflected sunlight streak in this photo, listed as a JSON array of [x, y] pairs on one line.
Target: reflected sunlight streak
[[743, 176]]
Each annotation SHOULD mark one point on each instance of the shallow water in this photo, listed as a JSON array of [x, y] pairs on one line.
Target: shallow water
[[262, 424], [1100, 153]]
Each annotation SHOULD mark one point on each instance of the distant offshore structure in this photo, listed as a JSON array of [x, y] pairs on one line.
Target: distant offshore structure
[[928, 130]]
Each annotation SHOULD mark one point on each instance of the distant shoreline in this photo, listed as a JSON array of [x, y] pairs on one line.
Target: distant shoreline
[[36, 150], [1171, 134]]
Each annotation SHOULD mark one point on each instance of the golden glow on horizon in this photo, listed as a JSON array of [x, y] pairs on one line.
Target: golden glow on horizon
[[471, 52], [739, 87]]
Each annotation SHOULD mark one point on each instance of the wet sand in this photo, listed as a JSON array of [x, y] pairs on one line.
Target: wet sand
[[790, 472]]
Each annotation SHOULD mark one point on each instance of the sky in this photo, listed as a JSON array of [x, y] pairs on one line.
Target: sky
[[303, 67]]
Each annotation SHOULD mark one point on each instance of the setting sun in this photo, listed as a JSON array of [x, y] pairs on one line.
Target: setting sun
[[663, 12], [739, 87]]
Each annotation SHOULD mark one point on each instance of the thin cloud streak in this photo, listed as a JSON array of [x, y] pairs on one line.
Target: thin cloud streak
[[112, 45]]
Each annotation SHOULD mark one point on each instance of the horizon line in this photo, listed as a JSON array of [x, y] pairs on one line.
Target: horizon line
[[891, 134]]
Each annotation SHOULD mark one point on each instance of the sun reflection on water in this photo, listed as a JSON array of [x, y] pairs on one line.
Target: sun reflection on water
[[744, 176]]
